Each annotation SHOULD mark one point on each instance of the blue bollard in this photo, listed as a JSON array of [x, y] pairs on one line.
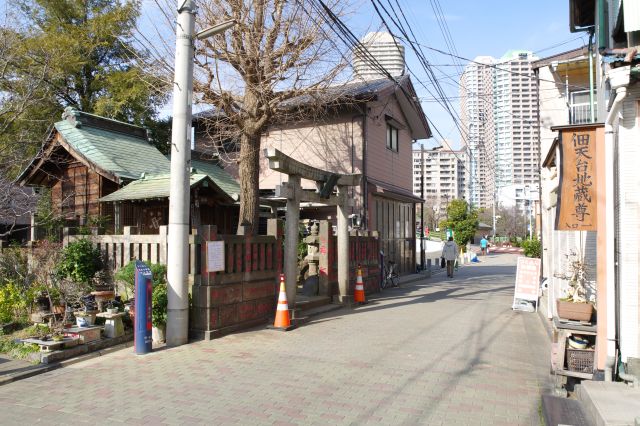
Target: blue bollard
[[142, 327]]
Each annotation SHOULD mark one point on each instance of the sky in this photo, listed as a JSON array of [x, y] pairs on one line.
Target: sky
[[477, 28]]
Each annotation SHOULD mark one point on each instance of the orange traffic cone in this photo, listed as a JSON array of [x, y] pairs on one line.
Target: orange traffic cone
[[282, 322], [359, 293]]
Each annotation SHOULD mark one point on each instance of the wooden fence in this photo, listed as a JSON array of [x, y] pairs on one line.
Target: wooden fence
[[242, 295], [245, 292]]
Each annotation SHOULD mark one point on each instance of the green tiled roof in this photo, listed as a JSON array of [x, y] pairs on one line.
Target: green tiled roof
[[125, 156], [219, 176], [150, 188]]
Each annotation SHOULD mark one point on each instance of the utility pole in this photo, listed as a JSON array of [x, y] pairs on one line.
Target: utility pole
[[493, 208], [422, 254], [179, 190], [528, 200], [177, 256]]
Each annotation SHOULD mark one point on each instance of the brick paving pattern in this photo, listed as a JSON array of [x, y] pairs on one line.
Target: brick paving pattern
[[434, 352]]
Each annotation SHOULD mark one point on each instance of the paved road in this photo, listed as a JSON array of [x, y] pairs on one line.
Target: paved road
[[438, 351]]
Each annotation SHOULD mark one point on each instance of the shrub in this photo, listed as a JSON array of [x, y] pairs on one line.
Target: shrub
[[532, 247], [159, 301], [10, 345], [14, 268], [127, 275], [13, 303], [80, 261]]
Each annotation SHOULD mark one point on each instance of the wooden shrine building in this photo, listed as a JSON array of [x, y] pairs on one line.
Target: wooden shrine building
[[106, 171]]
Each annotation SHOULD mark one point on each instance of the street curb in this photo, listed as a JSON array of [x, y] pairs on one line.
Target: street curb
[[4, 380]]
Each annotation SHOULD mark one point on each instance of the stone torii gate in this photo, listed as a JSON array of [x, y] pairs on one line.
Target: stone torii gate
[[292, 191]]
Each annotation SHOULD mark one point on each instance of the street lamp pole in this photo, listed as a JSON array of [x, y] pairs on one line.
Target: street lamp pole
[[179, 191]]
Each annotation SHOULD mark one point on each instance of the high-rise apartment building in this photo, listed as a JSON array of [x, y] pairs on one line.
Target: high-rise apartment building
[[439, 176], [499, 121], [387, 51], [476, 113]]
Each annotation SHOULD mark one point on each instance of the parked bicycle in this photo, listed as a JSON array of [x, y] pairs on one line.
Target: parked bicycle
[[389, 273]]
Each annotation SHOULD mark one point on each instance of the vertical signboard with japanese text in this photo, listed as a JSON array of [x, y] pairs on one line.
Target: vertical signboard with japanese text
[[577, 198]]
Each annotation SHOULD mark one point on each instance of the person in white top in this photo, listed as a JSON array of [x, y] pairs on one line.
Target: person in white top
[[450, 254]]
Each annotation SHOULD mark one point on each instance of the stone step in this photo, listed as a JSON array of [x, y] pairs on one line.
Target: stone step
[[610, 403], [563, 411], [304, 317], [305, 303]]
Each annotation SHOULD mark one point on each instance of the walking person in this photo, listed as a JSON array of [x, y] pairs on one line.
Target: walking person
[[483, 245], [450, 254]]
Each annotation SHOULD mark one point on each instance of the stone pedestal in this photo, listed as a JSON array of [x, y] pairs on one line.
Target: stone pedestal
[[85, 334], [113, 326]]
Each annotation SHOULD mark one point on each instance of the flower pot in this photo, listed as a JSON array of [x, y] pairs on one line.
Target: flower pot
[[158, 334], [574, 311], [85, 319]]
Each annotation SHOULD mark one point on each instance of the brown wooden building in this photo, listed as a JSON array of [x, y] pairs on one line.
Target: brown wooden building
[[89, 163]]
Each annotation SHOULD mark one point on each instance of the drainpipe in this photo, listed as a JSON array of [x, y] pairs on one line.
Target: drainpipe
[[618, 80], [591, 105]]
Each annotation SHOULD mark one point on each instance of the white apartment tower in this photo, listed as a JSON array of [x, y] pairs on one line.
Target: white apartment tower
[[439, 176], [477, 114], [516, 121], [387, 52], [499, 120]]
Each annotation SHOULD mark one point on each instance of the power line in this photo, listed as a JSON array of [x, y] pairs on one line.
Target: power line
[[430, 75], [495, 65]]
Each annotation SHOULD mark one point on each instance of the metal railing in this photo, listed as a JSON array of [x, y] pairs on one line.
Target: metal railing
[[580, 108]]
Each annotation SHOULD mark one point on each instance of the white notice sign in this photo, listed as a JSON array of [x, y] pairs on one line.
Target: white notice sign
[[215, 256], [527, 280]]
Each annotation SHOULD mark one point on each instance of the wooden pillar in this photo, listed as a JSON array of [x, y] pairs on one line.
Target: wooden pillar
[[602, 263], [117, 220], [291, 238], [343, 246], [34, 234]]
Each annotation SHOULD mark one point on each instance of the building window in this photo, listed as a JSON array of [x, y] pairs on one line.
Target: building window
[[392, 138]]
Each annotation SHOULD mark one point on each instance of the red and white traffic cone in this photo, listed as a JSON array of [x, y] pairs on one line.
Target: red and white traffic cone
[[282, 321], [358, 295]]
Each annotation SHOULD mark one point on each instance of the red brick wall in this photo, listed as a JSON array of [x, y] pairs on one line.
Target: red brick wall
[[244, 294]]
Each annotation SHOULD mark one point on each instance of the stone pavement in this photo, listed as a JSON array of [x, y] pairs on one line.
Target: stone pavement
[[435, 352], [11, 369]]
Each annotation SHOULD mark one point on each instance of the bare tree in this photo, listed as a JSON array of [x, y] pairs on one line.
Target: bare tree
[[251, 75], [511, 222]]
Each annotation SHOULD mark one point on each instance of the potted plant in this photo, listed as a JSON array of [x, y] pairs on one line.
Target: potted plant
[[577, 305], [87, 316], [159, 302]]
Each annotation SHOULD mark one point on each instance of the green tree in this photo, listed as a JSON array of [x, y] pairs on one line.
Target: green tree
[[60, 53], [462, 220]]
